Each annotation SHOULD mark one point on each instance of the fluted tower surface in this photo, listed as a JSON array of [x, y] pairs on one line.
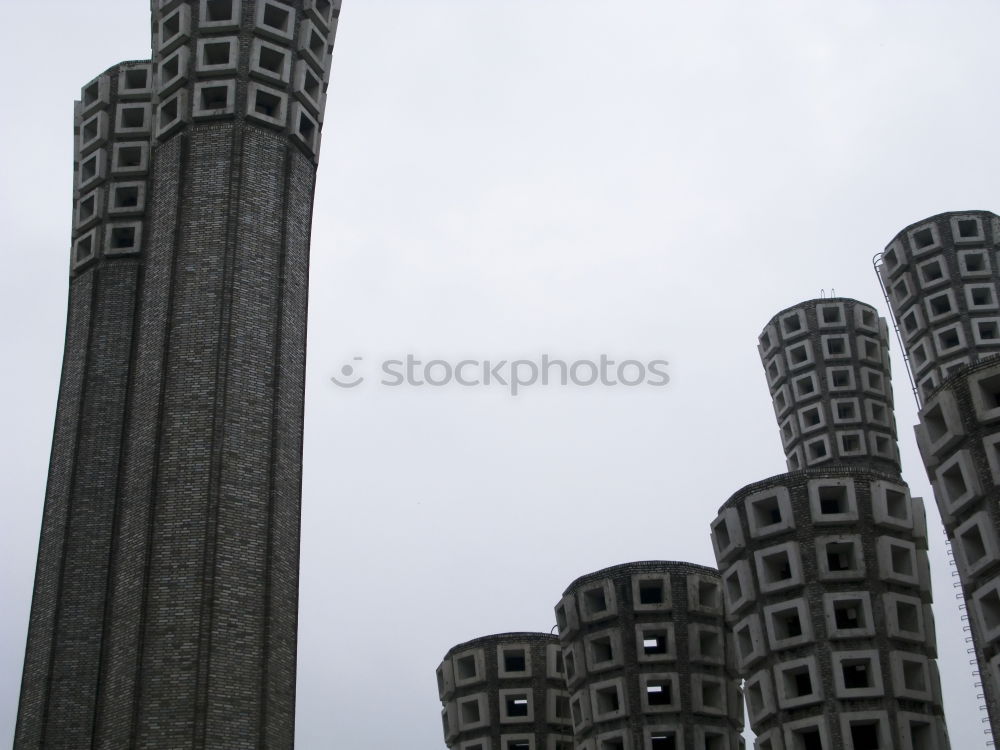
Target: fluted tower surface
[[505, 692], [941, 277], [647, 662], [165, 600], [827, 367]]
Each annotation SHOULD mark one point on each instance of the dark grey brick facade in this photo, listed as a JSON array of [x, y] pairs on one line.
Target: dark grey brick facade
[[164, 611]]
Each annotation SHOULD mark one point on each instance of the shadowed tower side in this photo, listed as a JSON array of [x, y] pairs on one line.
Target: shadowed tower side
[[164, 612]]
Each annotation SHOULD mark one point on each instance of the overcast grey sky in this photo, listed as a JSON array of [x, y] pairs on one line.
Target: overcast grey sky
[[643, 178]]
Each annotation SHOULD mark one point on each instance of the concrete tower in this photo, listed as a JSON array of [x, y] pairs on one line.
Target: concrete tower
[[646, 657], [165, 600], [942, 281], [505, 692], [824, 569]]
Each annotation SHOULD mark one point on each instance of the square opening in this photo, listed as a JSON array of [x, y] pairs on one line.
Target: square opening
[[272, 60], [312, 85], [923, 238], [515, 660], [86, 208], [914, 675], [662, 741], [317, 45], [594, 601], [901, 560], [652, 592], [968, 228], [776, 567], [786, 623], [569, 659], [798, 682], [607, 700], [125, 196], [974, 261], [907, 616], [83, 250], [833, 500], [91, 94], [834, 346], [710, 644], [709, 595], [987, 331], [989, 605], [955, 486], [791, 323], [135, 79], [940, 305], [561, 621], [807, 738], [216, 53], [805, 385], [846, 410], [469, 711], [169, 112], [877, 413], [799, 354], [90, 168], [842, 557], [850, 614], [831, 314], [516, 705], [981, 297], [911, 321], [306, 127], [219, 11], [973, 544], [276, 18], [745, 641], [841, 378], [132, 117], [948, 339], [601, 649], [655, 642], [811, 417], [896, 505], [766, 511], [922, 735], [850, 443], [170, 27], [713, 694], [901, 291], [214, 98], [723, 538], [129, 157], [465, 667], [865, 736], [817, 449], [659, 691], [856, 673], [267, 104], [932, 271], [868, 318]]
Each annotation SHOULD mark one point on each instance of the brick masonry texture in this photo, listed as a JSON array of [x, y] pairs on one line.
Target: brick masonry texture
[[166, 592]]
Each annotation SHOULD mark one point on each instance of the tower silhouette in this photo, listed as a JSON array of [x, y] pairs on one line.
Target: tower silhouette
[[165, 600]]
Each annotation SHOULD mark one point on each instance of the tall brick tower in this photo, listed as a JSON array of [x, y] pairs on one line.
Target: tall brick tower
[[165, 600], [942, 282], [824, 569]]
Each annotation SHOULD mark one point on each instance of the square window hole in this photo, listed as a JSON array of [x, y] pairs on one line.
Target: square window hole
[[833, 499], [968, 228], [907, 616], [807, 739], [133, 117], [841, 557], [987, 330], [514, 660], [216, 53], [594, 601], [276, 18], [125, 196], [267, 104], [601, 649], [465, 667], [516, 705], [272, 60], [923, 238], [659, 692], [660, 741], [607, 700], [214, 98], [849, 614], [865, 736], [857, 673], [652, 592], [219, 11]]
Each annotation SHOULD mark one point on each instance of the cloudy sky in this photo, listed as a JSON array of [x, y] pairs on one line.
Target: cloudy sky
[[645, 179]]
